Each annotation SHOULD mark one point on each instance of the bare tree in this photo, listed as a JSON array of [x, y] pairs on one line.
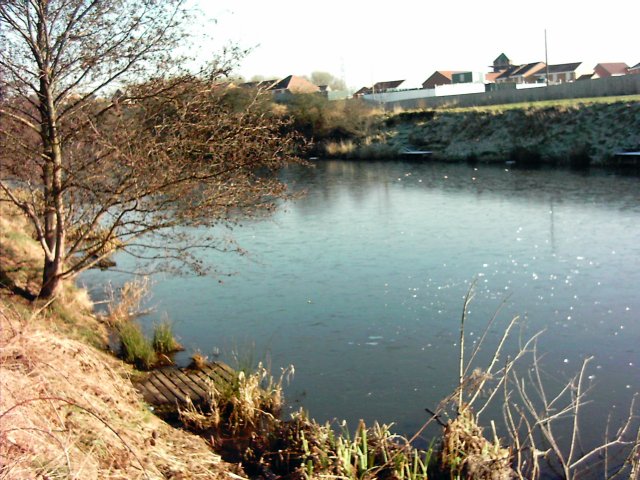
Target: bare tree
[[106, 144]]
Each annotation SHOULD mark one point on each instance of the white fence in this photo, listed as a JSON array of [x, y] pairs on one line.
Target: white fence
[[416, 99], [417, 93]]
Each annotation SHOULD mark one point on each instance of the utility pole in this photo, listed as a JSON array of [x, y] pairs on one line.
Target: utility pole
[[546, 57]]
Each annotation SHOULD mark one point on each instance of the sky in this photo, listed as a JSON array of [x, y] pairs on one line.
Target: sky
[[367, 42]]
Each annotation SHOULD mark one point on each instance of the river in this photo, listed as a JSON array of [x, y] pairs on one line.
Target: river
[[360, 284]]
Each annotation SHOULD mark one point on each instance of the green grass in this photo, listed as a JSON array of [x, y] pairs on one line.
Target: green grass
[[135, 348], [164, 340]]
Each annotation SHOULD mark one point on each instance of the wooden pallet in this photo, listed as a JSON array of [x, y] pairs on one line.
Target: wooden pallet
[[171, 386]]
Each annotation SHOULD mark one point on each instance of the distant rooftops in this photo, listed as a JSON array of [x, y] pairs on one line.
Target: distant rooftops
[[384, 86], [564, 67]]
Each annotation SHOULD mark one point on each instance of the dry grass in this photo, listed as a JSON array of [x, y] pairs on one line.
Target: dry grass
[[466, 451], [198, 361], [21, 257], [568, 103], [251, 403], [125, 304], [543, 423], [69, 411]]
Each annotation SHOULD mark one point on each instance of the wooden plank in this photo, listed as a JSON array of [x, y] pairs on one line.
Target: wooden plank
[[165, 391], [162, 399], [204, 379], [177, 389], [228, 371], [167, 388], [192, 381], [150, 393], [168, 397], [215, 376], [219, 372], [171, 385], [186, 384]]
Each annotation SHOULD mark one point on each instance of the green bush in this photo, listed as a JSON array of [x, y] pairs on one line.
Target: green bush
[[135, 348]]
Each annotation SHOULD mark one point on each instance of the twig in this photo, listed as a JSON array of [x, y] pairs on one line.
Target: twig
[[467, 299], [486, 331], [436, 417], [576, 410], [494, 360]]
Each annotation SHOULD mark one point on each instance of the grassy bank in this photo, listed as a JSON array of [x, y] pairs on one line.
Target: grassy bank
[[67, 406], [568, 132]]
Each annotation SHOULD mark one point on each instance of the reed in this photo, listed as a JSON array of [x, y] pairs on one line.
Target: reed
[[135, 347], [250, 404], [164, 340]]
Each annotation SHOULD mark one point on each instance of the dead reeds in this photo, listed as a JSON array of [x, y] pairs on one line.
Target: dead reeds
[[543, 426], [250, 403]]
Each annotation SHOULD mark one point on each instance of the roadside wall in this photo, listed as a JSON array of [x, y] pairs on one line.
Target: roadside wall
[[602, 87]]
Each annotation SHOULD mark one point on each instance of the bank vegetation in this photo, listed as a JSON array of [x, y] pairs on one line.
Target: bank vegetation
[[579, 132]]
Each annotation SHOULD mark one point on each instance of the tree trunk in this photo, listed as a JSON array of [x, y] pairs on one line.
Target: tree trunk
[[51, 279], [54, 228]]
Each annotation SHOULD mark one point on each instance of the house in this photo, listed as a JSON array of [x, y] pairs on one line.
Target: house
[[467, 77], [563, 73], [604, 70], [260, 85], [588, 76], [521, 73], [362, 92], [491, 77], [293, 85], [501, 63], [635, 70], [382, 87], [440, 77]]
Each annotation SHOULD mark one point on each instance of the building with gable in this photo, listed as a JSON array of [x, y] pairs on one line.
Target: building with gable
[[604, 70]]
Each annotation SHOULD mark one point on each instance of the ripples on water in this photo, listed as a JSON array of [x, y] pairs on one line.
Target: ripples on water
[[360, 283]]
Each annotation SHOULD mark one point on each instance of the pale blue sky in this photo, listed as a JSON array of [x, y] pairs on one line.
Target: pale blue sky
[[365, 42]]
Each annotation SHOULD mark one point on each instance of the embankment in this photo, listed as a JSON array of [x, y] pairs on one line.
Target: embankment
[[68, 408], [564, 133]]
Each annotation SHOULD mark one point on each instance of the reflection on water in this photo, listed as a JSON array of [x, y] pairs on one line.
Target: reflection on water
[[360, 283]]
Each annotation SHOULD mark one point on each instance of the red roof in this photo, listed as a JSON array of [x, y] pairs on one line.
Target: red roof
[[448, 73], [616, 68], [295, 85]]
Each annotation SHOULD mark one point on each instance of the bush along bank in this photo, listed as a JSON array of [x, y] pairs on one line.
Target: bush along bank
[[567, 133]]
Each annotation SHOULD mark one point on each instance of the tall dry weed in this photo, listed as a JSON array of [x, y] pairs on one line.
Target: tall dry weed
[[125, 304]]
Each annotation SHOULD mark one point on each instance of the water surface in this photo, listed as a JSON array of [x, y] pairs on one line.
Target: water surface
[[360, 283]]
